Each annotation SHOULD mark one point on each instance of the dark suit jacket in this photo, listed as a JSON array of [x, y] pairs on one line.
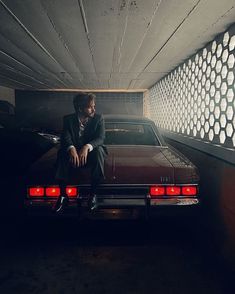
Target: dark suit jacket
[[94, 132]]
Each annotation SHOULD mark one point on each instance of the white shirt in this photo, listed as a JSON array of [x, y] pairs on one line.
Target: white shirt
[[82, 126]]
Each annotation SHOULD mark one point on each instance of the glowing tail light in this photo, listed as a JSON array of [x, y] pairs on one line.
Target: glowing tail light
[[184, 191], [53, 191], [189, 190], [173, 190], [36, 191], [157, 191], [71, 191]]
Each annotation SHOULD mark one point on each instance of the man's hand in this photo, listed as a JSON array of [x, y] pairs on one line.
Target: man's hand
[[83, 152], [73, 157]]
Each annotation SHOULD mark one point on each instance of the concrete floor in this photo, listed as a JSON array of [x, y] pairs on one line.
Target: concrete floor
[[174, 255]]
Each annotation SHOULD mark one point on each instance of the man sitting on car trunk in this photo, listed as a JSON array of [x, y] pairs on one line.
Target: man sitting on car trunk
[[81, 145]]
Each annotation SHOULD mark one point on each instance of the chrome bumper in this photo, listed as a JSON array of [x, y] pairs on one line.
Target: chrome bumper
[[111, 205]]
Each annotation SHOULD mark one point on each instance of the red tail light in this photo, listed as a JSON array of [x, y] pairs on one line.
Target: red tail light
[[157, 191], [173, 190], [189, 190], [71, 191], [53, 191], [36, 191]]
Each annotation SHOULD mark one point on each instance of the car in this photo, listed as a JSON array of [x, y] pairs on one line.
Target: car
[[142, 175], [11, 123], [19, 149]]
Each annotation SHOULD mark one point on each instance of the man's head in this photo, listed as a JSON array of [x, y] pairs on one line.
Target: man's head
[[84, 104]]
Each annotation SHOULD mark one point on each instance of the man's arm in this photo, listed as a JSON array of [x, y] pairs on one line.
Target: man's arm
[[74, 157], [66, 138], [97, 141], [67, 143]]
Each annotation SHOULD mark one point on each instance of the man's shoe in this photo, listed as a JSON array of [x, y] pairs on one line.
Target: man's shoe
[[61, 204], [92, 202]]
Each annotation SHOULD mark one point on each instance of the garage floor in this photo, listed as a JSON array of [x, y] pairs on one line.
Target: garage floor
[[164, 256]]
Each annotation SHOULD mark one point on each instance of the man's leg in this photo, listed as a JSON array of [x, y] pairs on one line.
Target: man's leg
[[62, 175], [63, 199], [96, 163], [62, 167]]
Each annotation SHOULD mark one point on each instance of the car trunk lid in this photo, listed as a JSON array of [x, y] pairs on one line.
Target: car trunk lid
[[138, 165], [126, 165]]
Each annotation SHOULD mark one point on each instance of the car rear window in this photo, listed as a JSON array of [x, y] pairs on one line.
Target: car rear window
[[130, 134]]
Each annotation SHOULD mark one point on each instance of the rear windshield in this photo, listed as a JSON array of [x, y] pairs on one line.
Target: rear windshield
[[130, 134]]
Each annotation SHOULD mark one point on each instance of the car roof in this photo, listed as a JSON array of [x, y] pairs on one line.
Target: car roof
[[126, 118]]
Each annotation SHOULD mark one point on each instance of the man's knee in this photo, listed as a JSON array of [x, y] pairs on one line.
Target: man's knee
[[96, 156], [98, 152]]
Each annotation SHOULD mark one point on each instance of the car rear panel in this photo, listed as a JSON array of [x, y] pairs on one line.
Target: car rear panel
[[184, 171], [129, 173]]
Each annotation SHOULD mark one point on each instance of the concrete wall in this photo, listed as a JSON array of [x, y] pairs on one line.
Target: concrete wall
[[7, 94], [194, 106], [45, 109]]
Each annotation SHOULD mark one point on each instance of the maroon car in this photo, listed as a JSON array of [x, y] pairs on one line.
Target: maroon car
[[142, 174]]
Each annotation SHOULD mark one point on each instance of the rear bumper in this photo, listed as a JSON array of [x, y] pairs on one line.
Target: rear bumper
[[127, 206]]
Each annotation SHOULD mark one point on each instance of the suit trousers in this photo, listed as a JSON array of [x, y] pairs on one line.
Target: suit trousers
[[95, 161]]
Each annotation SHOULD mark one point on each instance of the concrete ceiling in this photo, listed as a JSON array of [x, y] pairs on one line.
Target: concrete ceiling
[[103, 44]]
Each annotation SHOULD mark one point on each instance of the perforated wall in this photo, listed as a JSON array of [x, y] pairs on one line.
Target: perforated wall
[[197, 98]]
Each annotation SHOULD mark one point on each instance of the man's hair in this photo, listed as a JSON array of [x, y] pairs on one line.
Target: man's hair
[[82, 100]]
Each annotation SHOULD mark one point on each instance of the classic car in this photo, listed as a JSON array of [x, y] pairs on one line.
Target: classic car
[[142, 174], [19, 149]]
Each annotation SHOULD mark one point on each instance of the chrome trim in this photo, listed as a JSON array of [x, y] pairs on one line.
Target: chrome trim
[[127, 145], [174, 202], [118, 202]]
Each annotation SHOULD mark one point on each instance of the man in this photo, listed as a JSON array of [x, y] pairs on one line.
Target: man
[[81, 145]]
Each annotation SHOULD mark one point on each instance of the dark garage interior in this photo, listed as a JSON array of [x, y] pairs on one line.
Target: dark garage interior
[[172, 62]]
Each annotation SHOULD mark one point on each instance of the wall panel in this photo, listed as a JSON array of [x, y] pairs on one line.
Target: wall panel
[[196, 100]]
